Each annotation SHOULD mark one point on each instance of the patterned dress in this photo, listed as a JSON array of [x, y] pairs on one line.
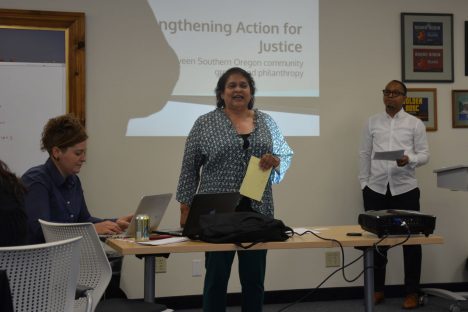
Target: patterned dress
[[215, 160]]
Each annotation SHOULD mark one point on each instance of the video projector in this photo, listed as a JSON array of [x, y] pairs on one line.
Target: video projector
[[390, 222]]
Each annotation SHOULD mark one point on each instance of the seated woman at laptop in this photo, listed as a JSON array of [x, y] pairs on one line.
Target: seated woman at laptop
[[216, 155], [54, 191]]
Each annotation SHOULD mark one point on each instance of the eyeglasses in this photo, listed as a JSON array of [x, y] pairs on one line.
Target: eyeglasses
[[392, 93]]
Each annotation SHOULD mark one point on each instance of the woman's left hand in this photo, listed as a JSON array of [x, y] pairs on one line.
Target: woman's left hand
[[269, 161]]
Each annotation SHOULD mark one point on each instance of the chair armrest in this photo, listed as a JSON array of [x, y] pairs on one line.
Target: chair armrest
[[81, 291]]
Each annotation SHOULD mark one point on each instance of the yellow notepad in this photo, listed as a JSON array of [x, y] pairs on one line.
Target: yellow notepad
[[255, 180]]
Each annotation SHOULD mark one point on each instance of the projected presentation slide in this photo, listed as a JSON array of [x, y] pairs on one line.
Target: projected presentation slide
[[276, 41]]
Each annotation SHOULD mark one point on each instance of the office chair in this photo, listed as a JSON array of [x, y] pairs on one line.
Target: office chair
[[95, 270], [457, 298], [42, 277]]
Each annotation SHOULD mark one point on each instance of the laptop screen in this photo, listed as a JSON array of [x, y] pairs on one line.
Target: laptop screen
[[206, 203], [152, 205]]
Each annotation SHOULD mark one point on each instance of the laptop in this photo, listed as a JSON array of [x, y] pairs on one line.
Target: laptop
[[152, 205], [204, 203]]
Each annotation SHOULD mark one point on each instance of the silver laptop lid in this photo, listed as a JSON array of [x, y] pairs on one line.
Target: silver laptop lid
[[152, 205]]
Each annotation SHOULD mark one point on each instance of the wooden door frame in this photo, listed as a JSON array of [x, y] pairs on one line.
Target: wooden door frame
[[74, 25]]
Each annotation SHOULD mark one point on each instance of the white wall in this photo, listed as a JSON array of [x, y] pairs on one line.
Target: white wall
[[359, 54]]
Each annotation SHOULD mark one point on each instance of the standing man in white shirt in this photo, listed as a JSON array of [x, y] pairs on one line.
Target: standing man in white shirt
[[392, 184]]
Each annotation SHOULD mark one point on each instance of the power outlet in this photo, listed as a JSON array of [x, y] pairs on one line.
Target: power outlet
[[196, 267], [161, 265], [332, 259]]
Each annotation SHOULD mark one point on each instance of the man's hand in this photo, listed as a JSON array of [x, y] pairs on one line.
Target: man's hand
[[403, 161], [107, 227]]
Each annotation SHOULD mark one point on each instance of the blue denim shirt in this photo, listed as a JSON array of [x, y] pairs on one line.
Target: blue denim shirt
[[52, 197]]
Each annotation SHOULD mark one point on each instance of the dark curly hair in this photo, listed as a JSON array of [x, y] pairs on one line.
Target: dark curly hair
[[62, 132], [222, 85], [10, 182]]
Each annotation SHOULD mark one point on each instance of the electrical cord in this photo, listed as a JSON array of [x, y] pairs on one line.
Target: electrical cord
[[408, 235], [403, 223], [343, 265]]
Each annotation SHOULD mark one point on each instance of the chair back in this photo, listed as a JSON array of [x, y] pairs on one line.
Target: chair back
[[95, 270], [42, 277]]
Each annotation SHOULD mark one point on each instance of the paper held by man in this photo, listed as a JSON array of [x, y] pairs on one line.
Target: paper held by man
[[389, 155]]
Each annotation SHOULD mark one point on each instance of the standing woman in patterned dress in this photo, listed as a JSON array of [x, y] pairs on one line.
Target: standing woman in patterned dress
[[217, 152]]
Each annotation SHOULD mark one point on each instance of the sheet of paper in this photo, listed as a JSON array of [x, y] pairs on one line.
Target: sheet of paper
[[165, 241], [255, 180], [390, 155]]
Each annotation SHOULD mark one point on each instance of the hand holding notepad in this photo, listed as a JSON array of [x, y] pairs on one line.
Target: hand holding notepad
[[255, 180]]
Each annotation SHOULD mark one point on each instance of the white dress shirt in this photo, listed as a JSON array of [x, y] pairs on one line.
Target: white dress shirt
[[384, 133]]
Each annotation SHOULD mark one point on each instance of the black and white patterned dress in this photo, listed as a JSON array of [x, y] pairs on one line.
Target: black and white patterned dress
[[215, 159]]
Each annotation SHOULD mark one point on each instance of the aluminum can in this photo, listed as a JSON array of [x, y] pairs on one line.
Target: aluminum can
[[142, 232]]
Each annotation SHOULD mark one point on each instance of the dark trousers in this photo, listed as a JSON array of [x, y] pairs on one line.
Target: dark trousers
[[412, 254], [218, 264]]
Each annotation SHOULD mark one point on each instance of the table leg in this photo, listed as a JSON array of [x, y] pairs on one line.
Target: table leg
[[369, 279], [149, 279]]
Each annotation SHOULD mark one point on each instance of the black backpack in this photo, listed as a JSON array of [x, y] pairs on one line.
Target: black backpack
[[242, 227]]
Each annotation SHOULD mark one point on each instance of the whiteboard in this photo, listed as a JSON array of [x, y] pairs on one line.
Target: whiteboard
[[31, 93]]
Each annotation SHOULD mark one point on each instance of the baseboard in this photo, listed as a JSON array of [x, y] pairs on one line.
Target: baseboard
[[288, 296]]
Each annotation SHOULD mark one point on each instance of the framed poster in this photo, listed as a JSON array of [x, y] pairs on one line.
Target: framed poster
[[466, 48], [427, 47], [460, 108], [422, 103]]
